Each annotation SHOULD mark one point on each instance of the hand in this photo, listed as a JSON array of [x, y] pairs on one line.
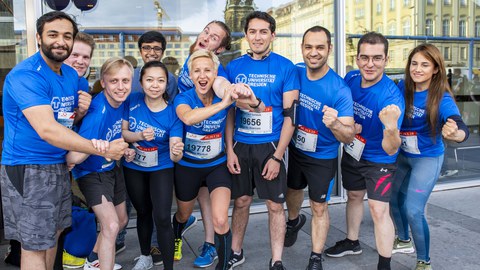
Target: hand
[[129, 154], [148, 134], [450, 129], [330, 116], [232, 163], [271, 170], [243, 91], [389, 116], [84, 100], [116, 150], [101, 145], [228, 96], [177, 148], [358, 128]]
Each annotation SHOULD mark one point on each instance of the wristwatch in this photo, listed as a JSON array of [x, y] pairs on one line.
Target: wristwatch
[[258, 105]]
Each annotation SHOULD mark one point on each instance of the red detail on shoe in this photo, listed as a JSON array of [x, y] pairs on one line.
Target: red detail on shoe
[[381, 180], [387, 187]]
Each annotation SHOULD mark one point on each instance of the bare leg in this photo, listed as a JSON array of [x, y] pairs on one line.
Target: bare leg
[[320, 225], [294, 202], [354, 213], [240, 215], [276, 218], [221, 201], [33, 260], [384, 230], [206, 211]]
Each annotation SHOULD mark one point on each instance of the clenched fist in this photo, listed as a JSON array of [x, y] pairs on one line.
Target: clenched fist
[[389, 116]]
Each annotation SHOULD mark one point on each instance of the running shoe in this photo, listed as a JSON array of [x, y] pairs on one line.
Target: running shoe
[[342, 248]]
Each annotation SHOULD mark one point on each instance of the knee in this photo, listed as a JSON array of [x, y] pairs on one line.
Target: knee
[[163, 222], [319, 209], [243, 202], [220, 223], [356, 196], [379, 212], [110, 229], [414, 213], [274, 208], [182, 216]]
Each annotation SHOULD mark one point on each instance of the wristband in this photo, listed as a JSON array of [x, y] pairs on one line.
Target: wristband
[[273, 157], [258, 105]]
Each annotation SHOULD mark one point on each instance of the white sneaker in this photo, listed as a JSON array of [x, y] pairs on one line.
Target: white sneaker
[[95, 265], [448, 173], [143, 263]]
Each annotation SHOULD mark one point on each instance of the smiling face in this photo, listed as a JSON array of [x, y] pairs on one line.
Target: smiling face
[[371, 60], [117, 84], [211, 39], [154, 82], [203, 74], [422, 71], [152, 51], [259, 37], [80, 58], [56, 41], [315, 50]]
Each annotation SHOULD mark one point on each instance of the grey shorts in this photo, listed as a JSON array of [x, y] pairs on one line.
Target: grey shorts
[[37, 203]]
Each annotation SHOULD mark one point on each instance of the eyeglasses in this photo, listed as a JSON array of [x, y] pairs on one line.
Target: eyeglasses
[[377, 59], [156, 49]]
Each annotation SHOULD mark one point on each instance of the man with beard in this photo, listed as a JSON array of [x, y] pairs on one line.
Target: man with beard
[[325, 120], [38, 104]]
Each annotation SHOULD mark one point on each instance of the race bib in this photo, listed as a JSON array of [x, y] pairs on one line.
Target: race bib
[[355, 148], [306, 138], [409, 142], [66, 119], [203, 146], [145, 156], [256, 123]]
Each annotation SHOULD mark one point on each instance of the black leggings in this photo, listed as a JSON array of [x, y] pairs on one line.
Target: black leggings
[[152, 192]]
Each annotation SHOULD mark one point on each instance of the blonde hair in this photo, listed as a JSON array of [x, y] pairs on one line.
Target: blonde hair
[[113, 64], [203, 53]]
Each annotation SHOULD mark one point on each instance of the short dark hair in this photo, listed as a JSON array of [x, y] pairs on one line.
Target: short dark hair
[[152, 36], [52, 16], [373, 38], [262, 16], [87, 39], [159, 64], [227, 40], [319, 29]]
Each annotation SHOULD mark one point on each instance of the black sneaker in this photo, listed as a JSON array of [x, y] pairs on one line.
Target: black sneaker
[[292, 231], [157, 257], [277, 265], [342, 248], [315, 263], [235, 260], [119, 247]]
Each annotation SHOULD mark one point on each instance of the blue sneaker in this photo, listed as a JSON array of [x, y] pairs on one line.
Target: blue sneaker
[[191, 222], [207, 257]]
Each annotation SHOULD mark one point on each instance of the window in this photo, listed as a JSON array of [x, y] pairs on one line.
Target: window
[[379, 7], [477, 29], [429, 27], [430, 2], [478, 54], [406, 28], [447, 2], [405, 54], [463, 53], [130, 38], [447, 53], [463, 3], [379, 28], [446, 27], [406, 3], [359, 13], [462, 28], [391, 29], [392, 5]]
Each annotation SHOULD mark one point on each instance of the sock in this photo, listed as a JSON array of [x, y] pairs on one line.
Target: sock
[[353, 242], [237, 253], [223, 245], [92, 256], [177, 227], [404, 241], [383, 263], [293, 222], [313, 254]]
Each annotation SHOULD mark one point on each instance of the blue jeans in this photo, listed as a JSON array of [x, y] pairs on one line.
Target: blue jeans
[[412, 186]]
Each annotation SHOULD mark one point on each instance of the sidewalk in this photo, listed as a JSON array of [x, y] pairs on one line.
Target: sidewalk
[[453, 215]]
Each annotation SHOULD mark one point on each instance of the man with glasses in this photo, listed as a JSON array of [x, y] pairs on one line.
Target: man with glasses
[[368, 163]]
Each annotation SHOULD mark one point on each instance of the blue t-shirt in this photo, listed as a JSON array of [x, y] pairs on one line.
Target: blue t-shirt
[[32, 83], [205, 140], [184, 81], [269, 79], [83, 84], [312, 137], [172, 89], [101, 122], [415, 131], [152, 155], [367, 104]]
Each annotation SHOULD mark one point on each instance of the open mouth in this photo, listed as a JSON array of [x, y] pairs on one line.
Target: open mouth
[[203, 84]]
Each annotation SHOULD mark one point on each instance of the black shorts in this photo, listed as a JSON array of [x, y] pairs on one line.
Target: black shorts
[[318, 174], [188, 180], [110, 184], [376, 178], [252, 159]]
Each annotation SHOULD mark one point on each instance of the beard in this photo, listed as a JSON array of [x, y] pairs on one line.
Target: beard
[[48, 52]]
